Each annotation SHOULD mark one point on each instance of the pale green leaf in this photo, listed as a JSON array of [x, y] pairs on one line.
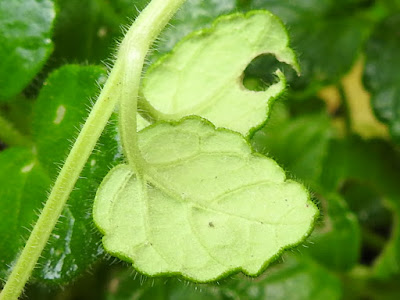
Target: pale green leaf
[[203, 74], [205, 205]]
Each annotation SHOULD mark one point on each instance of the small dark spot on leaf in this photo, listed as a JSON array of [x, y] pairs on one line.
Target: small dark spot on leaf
[[211, 224], [306, 205]]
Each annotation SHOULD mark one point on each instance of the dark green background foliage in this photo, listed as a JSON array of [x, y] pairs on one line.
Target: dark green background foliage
[[50, 73]]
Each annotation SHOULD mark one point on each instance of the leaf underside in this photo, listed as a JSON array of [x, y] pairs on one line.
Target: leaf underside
[[200, 78], [205, 205]]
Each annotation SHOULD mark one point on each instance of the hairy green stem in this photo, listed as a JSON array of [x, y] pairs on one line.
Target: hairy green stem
[[135, 47], [10, 135], [122, 85]]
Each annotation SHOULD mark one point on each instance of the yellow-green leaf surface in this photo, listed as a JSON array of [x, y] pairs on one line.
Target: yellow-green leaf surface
[[203, 74], [204, 205]]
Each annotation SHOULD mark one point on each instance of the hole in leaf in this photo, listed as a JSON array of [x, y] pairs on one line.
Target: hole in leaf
[[375, 219], [260, 73]]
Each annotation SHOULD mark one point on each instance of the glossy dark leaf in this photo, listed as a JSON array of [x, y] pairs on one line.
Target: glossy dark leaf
[[63, 104], [74, 244], [88, 30], [327, 36], [381, 77], [24, 186], [374, 163], [25, 44], [298, 277]]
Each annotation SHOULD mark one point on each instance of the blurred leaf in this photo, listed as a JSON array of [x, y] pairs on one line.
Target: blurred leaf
[[358, 284], [375, 218], [87, 30], [23, 188], [387, 264], [19, 112], [374, 163], [124, 286], [300, 278], [10, 136], [25, 32], [299, 144], [368, 204], [327, 35], [297, 278], [336, 242], [383, 57], [362, 119]]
